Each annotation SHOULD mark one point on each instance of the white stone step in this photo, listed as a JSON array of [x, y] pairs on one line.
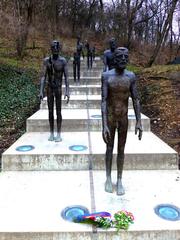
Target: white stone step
[[96, 64], [86, 73], [86, 80], [84, 90], [78, 120], [80, 101], [32, 202], [151, 153], [77, 101]]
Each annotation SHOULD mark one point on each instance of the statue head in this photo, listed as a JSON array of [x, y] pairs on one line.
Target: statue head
[[55, 47], [112, 44], [121, 57]]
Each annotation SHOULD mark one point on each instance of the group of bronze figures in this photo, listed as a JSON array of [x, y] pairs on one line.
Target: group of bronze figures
[[77, 58], [118, 84]]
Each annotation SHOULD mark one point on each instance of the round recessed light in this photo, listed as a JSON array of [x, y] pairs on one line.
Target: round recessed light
[[25, 148], [70, 213], [168, 212], [131, 116], [78, 148], [97, 116]]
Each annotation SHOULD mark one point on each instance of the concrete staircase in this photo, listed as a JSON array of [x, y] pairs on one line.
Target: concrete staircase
[[37, 185]]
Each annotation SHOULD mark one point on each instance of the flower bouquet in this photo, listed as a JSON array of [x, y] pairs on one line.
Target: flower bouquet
[[122, 220]]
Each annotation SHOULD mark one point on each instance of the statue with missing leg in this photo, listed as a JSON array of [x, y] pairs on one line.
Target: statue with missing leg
[[54, 68], [117, 85], [108, 55]]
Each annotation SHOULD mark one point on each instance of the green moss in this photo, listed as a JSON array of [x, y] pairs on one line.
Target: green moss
[[160, 69], [18, 96], [134, 68]]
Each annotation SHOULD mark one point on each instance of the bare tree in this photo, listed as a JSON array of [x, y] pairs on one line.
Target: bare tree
[[167, 22], [23, 15]]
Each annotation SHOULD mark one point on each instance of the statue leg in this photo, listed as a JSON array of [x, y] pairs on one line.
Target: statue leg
[[58, 113], [108, 161], [78, 70], [122, 135], [88, 61], [74, 71], [50, 100], [91, 61]]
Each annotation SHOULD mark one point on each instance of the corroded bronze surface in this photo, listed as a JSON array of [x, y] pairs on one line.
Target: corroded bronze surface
[[117, 85]]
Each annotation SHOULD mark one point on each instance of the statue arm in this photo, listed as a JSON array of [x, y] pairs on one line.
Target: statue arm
[[66, 81], [43, 77], [105, 62], [104, 95], [136, 105]]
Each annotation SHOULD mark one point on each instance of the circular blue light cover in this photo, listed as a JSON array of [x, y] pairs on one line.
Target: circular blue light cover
[[78, 148], [131, 116], [25, 148], [98, 116], [71, 212], [168, 212]]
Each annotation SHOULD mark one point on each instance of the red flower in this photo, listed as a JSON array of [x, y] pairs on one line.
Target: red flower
[[92, 218]]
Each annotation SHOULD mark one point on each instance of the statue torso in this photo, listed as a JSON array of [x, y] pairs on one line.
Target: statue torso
[[108, 54], [118, 93], [79, 49], [55, 70]]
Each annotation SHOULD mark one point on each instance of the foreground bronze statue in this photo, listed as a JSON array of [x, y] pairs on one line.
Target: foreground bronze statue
[[108, 55], [54, 68], [117, 85]]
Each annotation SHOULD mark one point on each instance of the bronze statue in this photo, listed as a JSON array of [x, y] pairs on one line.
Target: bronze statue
[[108, 55], [76, 67], [94, 52], [117, 85], [77, 59], [90, 55], [54, 68]]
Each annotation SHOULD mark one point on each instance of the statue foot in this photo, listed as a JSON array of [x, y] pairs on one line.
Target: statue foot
[[51, 137], [58, 138], [108, 185], [120, 189]]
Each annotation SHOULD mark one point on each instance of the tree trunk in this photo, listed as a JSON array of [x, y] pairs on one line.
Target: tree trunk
[[162, 34]]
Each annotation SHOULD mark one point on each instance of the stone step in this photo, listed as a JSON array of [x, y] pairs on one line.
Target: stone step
[[84, 63], [78, 120], [86, 73], [32, 202], [151, 153], [97, 60], [77, 101], [86, 81], [84, 68], [80, 101], [84, 90]]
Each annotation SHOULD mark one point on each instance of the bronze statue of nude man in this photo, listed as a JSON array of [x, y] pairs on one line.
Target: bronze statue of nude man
[[54, 68], [118, 85]]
